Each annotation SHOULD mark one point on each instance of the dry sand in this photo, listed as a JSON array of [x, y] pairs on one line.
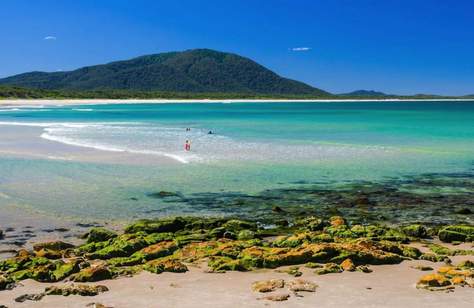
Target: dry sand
[[387, 286]]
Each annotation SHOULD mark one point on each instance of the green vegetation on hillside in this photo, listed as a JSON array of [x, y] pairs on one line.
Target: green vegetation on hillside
[[12, 92], [7, 92], [192, 71]]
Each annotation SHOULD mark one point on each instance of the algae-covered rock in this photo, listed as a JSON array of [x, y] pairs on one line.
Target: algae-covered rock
[[458, 280], [65, 269], [313, 265], [423, 267], [280, 297], [302, 285], [157, 225], [6, 283], [222, 264], [54, 245], [432, 257], [292, 240], [410, 252], [336, 221], [29, 297], [160, 266], [363, 269], [122, 246], [329, 268], [126, 261], [76, 289], [158, 250], [456, 233], [196, 237], [348, 265], [310, 223], [236, 224], [467, 264], [93, 273], [245, 235], [90, 247], [418, 231], [432, 281], [264, 286], [96, 235], [293, 271], [440, 250], [48, 253]]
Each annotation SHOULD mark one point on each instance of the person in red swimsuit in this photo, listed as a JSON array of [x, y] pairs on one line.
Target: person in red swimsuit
[[187, 146]]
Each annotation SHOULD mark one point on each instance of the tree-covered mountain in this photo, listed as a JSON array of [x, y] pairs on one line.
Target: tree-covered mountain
[[195, 71], [365, 93]]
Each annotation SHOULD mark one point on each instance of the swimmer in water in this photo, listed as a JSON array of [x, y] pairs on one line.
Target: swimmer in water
[[187, 145], [210, 132]]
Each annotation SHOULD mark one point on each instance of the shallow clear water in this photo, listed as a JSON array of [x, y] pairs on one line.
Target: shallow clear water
[[254, 147]]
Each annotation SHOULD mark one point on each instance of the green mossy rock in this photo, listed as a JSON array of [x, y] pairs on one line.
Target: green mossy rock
[[235, 225], [222, 264], [76, 289], [417, 231], [65, 269], [155, 251], [49, 254], [93, 273], [122, 246], [126, 261], [91, 247], [440, 250], [160, 266], [310, 223], [329, 268], [467, 264], [245, 235], [456, 233], [183, 240], [157, 225], [432, 257], [292, 270], [96, 235]]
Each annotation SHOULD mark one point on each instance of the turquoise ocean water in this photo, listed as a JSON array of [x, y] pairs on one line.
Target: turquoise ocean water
[[254, 147]]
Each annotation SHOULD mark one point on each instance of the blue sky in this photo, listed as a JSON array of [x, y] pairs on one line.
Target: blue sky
[[402, 47]]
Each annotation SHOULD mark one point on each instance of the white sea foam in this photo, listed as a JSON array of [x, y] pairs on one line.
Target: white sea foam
[[154, 139]]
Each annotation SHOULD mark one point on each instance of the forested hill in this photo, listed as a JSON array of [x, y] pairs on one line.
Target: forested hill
[[193, 71]]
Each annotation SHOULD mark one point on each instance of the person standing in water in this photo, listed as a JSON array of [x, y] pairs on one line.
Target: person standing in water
[[187, 145]]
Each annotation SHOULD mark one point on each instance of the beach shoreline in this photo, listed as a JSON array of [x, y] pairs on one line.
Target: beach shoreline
[[73, 102], [179, 270], [387, 286]]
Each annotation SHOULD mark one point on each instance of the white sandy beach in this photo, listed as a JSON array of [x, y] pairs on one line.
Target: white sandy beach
[[62, 102]]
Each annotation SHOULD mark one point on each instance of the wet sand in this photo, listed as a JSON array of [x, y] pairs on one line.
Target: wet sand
[[386, 286]]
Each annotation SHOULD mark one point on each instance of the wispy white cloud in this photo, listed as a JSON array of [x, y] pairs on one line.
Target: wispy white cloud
[[49, 38], [301, 49]]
